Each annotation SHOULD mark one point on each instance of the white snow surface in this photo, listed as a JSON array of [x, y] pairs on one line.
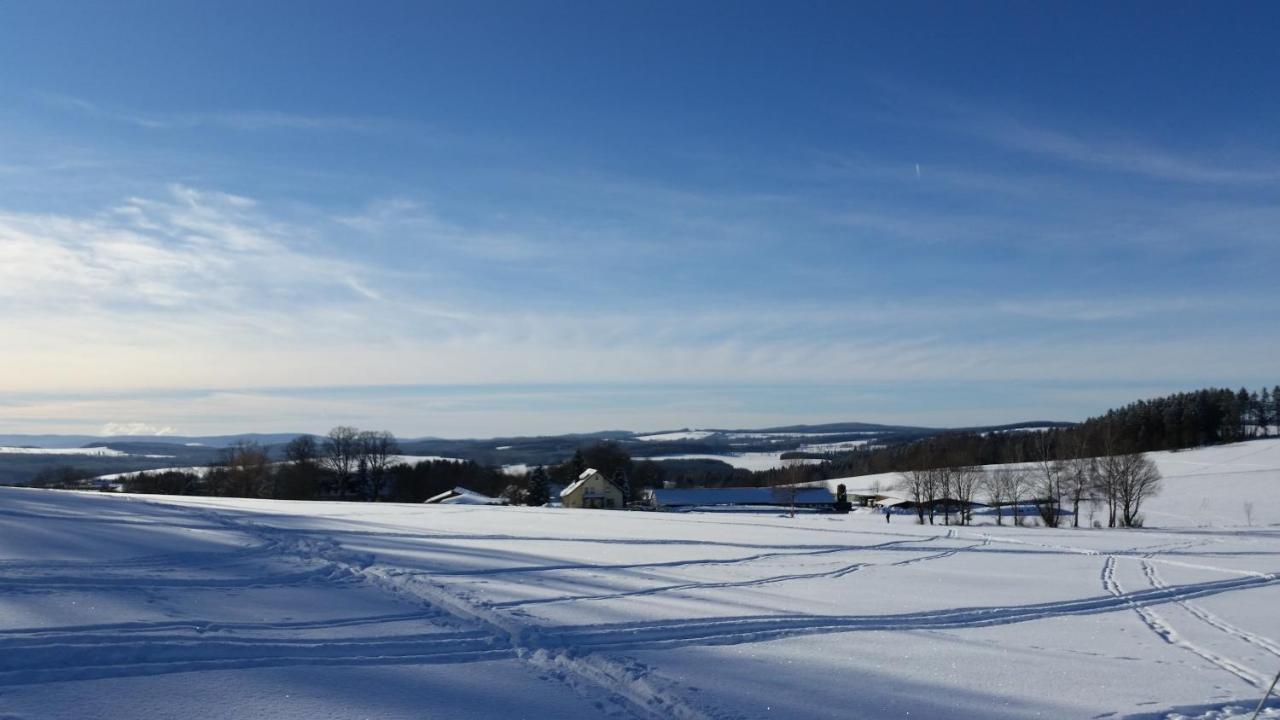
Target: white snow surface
[[86, 451], [833, 447], [463, 496], [1204, 487], [748, 460], [677, 435], [203, 470], [704, 434], [415, 459], [117, 606], [200, 470]]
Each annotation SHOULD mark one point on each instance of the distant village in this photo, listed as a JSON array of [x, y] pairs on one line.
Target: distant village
[[592, 490]]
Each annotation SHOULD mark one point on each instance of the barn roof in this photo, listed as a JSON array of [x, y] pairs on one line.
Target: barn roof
[[462, 496], [683, 497]]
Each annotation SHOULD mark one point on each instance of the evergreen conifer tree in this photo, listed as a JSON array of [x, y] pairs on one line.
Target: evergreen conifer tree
[[539, 487]]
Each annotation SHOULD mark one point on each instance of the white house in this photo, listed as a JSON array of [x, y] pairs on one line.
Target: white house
[[592, 490]]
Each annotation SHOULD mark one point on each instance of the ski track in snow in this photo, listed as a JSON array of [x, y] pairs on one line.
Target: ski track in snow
[[456, 626], [625, 685], [753, 582], [1161, 627], [1259, 641], [497, 635]]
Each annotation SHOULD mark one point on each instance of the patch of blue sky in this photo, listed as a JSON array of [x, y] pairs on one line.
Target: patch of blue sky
[[641, 195]]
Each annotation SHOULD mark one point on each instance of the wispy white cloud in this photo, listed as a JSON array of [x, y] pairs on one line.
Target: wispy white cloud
[[413, 221], [191, 249], [1120, 150], [1129, 157], [243, 120], [135, 428], [200, 289]]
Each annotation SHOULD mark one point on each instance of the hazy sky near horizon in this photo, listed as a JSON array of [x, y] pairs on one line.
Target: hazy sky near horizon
[[477, 218]]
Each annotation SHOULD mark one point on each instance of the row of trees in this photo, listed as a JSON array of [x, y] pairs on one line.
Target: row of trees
[[419, 481], [346, 464], [1063, 469], [934, 489], [61, 477], [607, 457], [1196, 418], [1183, 420], [351, 464], [1118, 483]]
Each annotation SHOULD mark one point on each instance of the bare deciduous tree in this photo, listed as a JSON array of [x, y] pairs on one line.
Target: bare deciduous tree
[[1126, 480], [1049, 471], [966, 480], [996, 485], [1019, 486], [341, 456], [1105, 484], [916, 485], [299, 478], [377, 448], [943, 492], [1139, 479], [302, 450], [245, 471], [1079, 477]]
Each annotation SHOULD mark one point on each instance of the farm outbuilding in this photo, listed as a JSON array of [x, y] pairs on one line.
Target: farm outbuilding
[[463, 496], [807, 497]]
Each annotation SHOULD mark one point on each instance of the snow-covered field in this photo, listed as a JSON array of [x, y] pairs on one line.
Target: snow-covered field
[[843, 446], [85, 451], [130, 606], [744, 435], [1217, 486], [415, 459], [200, 470], [203, 470], [677, 435], [747, 460]]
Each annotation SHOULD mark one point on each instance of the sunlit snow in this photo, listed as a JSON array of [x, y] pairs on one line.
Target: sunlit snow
[[148, 606]]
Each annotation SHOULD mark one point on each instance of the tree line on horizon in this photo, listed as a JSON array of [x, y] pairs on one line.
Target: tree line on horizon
[[1055, 488], [1100, 462], [349, 464], [1184, 420]]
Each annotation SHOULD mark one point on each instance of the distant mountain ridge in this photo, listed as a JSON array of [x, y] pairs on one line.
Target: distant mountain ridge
[[78, 441], [150, 452]]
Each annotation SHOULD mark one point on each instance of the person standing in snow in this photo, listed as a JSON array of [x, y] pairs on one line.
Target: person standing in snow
[[886, 513]]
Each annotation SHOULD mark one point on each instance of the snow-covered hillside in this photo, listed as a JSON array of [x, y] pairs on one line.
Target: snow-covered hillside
[[1202, 487], [129, 606], [1210, 486], [755, 461], [204, 469], [84, 451]]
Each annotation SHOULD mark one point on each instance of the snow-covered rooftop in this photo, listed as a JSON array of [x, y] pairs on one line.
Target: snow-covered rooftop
[[462, 496], [687, 497]]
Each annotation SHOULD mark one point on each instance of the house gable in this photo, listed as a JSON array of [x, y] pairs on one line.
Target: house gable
[[592, 490]]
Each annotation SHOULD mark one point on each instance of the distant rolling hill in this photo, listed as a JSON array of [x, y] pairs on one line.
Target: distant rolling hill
[[23, 456]]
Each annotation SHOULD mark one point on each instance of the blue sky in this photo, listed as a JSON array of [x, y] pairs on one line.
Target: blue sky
[[495, 218]]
